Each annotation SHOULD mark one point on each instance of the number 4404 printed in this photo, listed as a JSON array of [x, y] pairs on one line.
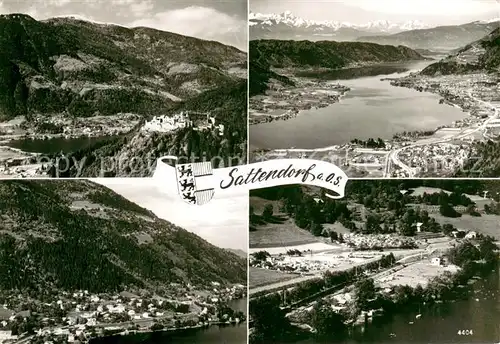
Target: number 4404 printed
[[465, 332]]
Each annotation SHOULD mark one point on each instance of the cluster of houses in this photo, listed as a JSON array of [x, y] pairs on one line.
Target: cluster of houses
[[184, 119], [375, 241], [444, 157], [85, 312]]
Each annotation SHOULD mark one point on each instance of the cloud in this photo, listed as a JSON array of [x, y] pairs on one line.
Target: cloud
[[140, 8], [57, 3], [427, 7], [201, 22]]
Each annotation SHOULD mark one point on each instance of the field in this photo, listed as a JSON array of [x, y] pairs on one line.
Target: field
[[337, 227], [428, 190], [313, 247], [281, 232], [258, 205], [413, 275], [262, 277], [485, 224]]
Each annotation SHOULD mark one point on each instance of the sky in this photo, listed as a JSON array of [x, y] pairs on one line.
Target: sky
[[221, 20], [432, 12], [222, 222]]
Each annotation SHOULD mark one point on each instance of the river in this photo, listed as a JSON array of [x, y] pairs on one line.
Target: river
[[373, 108], [441, 323], [229, 334], [56, 145]]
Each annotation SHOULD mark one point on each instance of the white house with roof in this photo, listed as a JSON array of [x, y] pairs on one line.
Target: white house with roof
[[471, 235], [436, 261]]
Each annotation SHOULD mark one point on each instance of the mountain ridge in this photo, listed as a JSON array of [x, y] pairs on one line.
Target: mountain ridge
[[377, 26], [480, 56], [65, 65], [447, 37], [79, 235]]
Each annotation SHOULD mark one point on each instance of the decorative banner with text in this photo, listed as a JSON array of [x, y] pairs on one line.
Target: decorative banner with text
[[197, 183]]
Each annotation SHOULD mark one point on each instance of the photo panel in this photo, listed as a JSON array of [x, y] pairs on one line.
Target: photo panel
[[105, 88], [383, 88], [119, 260], [394, 261]]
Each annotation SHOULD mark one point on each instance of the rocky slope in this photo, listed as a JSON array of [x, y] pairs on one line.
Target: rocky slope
[[78, 235], [480, 56], [65, 65], [441, 38]]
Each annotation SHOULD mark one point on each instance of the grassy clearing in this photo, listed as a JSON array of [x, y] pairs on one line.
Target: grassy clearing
[[262, 277], [412, 275], [428, 190], [259, 203], [486, 224], [336, 227], [278, 232]]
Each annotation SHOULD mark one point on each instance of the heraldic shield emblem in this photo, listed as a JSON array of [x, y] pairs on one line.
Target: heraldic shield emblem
[[187, 174]]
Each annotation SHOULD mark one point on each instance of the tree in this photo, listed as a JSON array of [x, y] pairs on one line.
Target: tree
[[333, 236], [327, 322], [317, 229], [261, 255], [365, 291], [447, 210], [269, 320], [341, 238], [267, 214], [472, 210], [408, 230], [157, 327], [448, 229]]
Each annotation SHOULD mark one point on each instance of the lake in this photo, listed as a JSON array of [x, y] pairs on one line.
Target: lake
[[229, 334], [441, 322], [56, 145], [373, 108]]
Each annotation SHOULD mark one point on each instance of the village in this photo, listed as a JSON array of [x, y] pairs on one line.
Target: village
[[282, 103], [62, 126], [82, 315], [438, 153]]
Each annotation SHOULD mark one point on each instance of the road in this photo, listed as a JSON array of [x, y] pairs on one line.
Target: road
[[393, 158], [283, 284]]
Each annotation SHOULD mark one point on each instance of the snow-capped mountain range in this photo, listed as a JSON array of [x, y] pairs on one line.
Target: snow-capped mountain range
[[292, 21]]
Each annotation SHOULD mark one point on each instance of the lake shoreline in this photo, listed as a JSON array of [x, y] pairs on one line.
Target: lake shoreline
[[173, 330], [320, 80], [456, 134]]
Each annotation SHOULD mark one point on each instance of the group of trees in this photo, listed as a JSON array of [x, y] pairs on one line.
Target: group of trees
[[266, 312], [269, 321], [389, 206], [370, 143]]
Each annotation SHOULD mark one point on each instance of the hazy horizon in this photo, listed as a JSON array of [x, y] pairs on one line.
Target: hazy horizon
[[363, 11], [222, 21], [222, 222]]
